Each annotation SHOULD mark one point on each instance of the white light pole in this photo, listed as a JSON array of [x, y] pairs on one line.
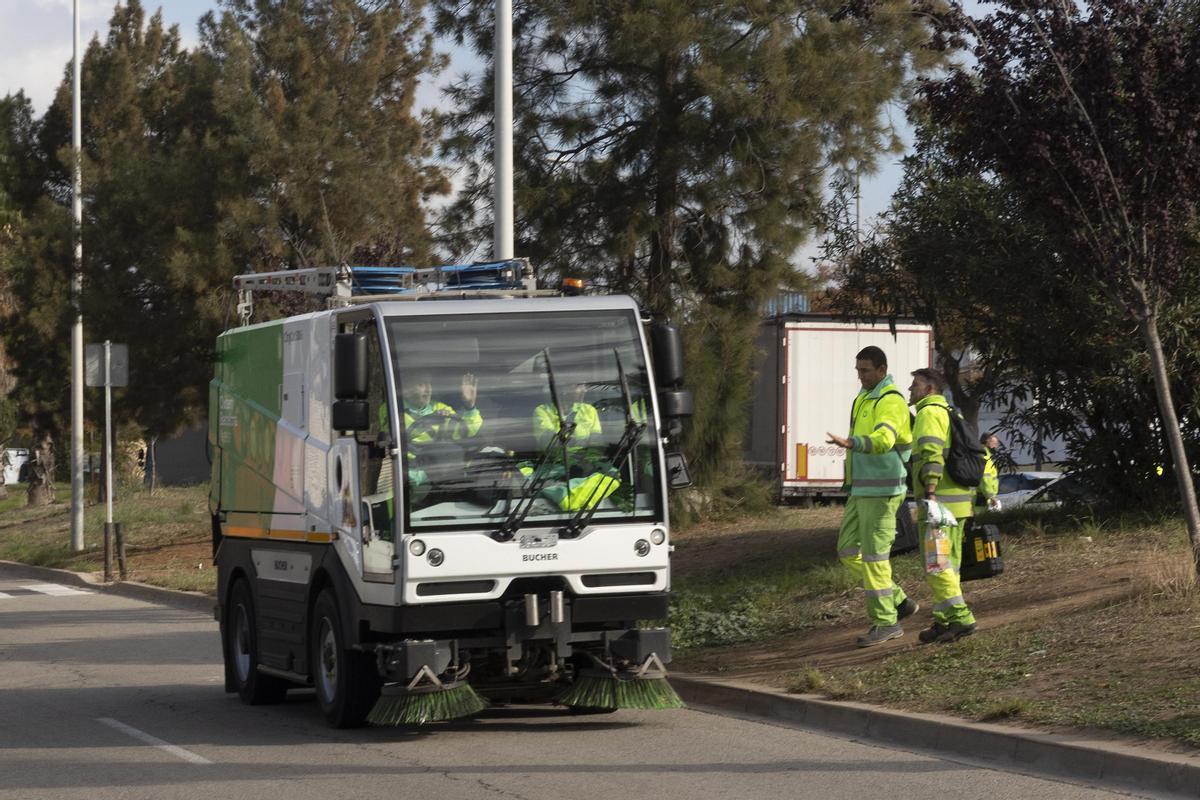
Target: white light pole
[[502, 162], [77, 304]]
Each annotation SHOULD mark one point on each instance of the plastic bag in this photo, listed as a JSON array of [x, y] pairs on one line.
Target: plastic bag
[[937, 515], [936, 545]]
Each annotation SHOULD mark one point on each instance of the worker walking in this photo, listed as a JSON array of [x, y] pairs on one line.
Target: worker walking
[[932, 442], [879, 446]]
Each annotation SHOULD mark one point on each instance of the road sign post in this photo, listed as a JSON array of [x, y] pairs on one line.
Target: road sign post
[[108, 366]]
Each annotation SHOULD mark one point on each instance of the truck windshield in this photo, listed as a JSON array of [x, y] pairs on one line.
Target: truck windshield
[[509, 410]]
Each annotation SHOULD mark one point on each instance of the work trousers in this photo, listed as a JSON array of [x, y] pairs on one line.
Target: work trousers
[[865, 547], [948, 603]]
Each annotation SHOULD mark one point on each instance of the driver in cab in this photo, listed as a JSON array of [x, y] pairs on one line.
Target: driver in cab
[[427, 420]]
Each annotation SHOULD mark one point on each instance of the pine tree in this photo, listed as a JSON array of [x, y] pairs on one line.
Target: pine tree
[[287, 139], [677, 150], [314, 106]]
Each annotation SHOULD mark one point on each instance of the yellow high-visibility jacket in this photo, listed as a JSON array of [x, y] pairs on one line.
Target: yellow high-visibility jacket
[[880, 442]]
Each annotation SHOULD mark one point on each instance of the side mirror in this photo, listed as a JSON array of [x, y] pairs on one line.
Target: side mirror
[[678, 476], [349, 368], [675, 403], [667, 348], [351, 415]]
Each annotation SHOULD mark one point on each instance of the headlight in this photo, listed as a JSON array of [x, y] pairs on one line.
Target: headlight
[[436, 557], [658, 536], [416, 547], [641, 547]]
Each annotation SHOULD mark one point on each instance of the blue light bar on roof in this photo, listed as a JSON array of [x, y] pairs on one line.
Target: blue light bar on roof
[[451, 277]]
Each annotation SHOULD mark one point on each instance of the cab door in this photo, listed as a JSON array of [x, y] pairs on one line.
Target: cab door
[[363, 474]]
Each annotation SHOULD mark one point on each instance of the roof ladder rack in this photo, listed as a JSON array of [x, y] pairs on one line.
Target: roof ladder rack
[[330, 282], [345, 285]]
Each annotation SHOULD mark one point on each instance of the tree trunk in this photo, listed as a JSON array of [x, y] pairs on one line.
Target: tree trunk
[[966, 402], [41, 468], [152, 457], [1148, 323], [662, 239]]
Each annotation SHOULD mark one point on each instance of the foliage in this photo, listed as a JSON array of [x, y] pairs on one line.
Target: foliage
[[286, 139], [1089, 112], [964, 252], [676, 150], [958, 251]]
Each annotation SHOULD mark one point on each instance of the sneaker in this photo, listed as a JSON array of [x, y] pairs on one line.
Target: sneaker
[[932, 633], [955, 631], [907, 608], [880, 634]]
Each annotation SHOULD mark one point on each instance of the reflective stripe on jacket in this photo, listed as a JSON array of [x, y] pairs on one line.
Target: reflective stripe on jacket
[[880, 442]]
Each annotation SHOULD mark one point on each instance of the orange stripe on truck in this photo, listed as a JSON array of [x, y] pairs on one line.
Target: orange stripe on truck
[[239, 531]]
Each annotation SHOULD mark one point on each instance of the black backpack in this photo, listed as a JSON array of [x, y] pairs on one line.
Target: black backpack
[[964, 462]]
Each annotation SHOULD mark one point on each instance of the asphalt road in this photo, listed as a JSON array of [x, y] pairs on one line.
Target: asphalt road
[[105, 697]]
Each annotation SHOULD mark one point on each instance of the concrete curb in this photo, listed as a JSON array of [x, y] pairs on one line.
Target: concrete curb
[[190, 601], [1078, 757]]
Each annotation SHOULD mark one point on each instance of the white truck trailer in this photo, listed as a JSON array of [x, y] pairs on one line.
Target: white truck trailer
[[451, 488], [805, 386]]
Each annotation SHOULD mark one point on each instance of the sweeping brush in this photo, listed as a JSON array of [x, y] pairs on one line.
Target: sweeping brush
[[608, 690], [400, 705]]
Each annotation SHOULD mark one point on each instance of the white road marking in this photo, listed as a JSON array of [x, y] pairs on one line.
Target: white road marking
[[4, 596], [178, 752], [53, 589]]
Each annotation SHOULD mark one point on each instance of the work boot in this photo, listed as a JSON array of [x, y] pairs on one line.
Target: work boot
[[955, 631], [907, 608], [880, 634], [932, 633]]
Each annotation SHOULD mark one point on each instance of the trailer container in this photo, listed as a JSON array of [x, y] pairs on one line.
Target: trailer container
[[804, 388]]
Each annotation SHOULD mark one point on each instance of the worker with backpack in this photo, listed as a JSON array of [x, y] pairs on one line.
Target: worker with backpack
[[948, 466]]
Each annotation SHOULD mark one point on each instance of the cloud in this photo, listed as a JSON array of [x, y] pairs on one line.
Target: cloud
[[36, 46]]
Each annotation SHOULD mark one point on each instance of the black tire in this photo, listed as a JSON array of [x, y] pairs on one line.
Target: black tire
[[241, 652], [346, 681]]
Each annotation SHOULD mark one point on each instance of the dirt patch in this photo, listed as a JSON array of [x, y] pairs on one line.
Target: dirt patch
[[697, 554], [1008, 601], [1035, 586]]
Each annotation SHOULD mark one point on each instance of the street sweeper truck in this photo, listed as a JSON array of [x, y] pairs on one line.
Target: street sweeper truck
[[446, 488]]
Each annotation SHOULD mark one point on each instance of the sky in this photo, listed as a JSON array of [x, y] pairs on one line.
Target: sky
[[35, 50]]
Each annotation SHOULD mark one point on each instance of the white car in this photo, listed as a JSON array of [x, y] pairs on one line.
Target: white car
[[1018, 488], [17, 458]]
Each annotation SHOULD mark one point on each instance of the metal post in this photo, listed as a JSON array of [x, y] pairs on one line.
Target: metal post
[[108, 552], [77, 305], [120, 531], [108, 441], [502, 164]]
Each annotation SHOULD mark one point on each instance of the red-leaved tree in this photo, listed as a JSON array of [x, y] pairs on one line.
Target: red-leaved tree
[[1092, 112]]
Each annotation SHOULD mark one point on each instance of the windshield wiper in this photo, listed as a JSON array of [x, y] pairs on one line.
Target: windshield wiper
[[629, 439], [537, 479]]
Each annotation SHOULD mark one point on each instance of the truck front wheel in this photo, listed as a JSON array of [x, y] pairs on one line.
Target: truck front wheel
[[241, 652], [346, 681]]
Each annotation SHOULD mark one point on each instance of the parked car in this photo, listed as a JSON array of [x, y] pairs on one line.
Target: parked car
[[1073, 488], [1017, 488], [16, 465]]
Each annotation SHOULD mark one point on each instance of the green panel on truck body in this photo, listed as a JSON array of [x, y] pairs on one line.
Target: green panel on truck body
[[246, 390]]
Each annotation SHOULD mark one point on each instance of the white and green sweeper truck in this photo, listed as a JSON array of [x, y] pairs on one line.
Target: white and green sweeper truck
[[448, 487]]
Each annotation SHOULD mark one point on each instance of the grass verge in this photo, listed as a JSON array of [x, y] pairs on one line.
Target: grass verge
[[1092, 626], [167, 536]]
